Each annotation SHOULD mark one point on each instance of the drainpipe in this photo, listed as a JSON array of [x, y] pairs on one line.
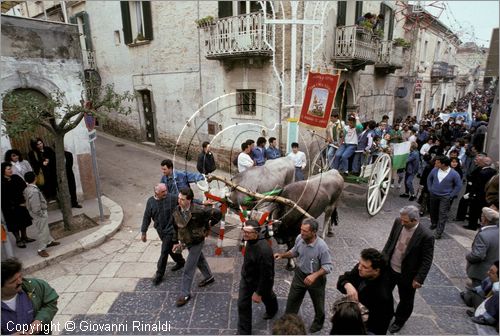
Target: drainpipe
[[64, 11]]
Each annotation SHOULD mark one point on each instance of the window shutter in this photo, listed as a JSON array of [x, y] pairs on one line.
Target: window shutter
[[390, 34], [359, 10], [225, 8], [86, 30], [127, 26], [382, 11], [148, 22], [72, 19], [341, 12]]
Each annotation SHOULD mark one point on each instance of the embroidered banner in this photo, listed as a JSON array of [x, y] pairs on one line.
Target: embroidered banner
[[318, 99]]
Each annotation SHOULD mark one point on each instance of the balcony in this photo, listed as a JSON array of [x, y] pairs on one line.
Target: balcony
[[240, 36], [355, 47], [389, 57], [450, 72], [439, 71]]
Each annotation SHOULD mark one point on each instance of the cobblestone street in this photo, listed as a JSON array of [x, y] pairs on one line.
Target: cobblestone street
[[112, 283]]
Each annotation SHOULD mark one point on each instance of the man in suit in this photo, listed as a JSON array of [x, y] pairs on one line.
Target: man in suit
[[484, 251], [409, 249]]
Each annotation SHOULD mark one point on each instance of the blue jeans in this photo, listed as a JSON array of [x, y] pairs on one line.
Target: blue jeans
[[342, 156], [330, 154], [195, 259], [359, 160], [409, 184], [299, 174]]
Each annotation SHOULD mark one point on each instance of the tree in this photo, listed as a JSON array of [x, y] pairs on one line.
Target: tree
[[27, 111]]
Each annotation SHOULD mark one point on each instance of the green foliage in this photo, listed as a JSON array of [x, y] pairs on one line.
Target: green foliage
[[25, 111], [379, 33], [366, 24], [401, 42], [204, 22]]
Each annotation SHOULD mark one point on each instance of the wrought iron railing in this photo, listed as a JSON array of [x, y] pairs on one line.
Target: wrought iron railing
[[354, 42], [390, 55], [439, 69], [243, 35]]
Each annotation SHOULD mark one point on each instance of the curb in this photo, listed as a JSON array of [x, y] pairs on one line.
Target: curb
[[86, 243]]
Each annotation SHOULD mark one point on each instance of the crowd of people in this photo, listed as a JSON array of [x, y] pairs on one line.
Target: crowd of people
[[443, 156], [27, 188]]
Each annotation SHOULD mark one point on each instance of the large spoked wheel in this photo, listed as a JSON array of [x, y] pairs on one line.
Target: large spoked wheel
[[379, 184], [320, 162]]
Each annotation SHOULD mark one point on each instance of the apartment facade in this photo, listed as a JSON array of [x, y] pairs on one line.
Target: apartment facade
[[222, 71]]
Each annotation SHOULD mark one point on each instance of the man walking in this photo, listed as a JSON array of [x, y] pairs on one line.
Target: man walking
[[159, 208], [313, 263], [367, 283], [176, 180], [410, 250], [193, 224], [257, 278], [444, 184], [37, 207]]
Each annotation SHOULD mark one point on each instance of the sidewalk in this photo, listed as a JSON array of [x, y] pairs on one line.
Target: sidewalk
[[74, 243]]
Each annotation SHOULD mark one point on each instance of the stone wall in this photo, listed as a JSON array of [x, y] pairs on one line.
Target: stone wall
[[46, 56]]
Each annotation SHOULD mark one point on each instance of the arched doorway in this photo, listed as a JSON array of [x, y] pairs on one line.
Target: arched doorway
[[343, 99], [21, 141]]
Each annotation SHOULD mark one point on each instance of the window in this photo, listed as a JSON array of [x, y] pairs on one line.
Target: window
[[437, 56], [136, 19], [83, 22], [359, 10], [233, 8], [245, 101], [341, 13], [388, 18]]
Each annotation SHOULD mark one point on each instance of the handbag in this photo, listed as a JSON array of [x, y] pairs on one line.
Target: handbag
[[40, 179]]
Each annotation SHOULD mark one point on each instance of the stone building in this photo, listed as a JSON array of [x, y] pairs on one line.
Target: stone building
[[224, 72], [430, 68], [471, 64], [41, 57]]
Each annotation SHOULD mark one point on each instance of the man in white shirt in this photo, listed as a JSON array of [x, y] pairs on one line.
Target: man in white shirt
[[299, 160], [244, 159]]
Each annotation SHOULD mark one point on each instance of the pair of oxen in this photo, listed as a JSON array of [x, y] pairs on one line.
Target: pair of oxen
[[316, 195]]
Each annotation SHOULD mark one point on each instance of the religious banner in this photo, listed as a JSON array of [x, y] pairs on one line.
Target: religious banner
[[318, 99]]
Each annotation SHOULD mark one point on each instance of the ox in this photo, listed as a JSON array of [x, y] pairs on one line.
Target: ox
[[316, 195], [274, 174]]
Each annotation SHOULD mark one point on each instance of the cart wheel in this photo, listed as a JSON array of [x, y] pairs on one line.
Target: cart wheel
[[378, 184], [320, 162]]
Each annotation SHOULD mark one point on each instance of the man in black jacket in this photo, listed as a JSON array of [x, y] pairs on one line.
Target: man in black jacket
[[193, 224], [257, 278], [206, 160], [367, 283], [159, 208], [409, 249]]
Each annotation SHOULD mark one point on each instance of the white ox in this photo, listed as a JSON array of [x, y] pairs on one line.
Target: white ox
[[274, 174]]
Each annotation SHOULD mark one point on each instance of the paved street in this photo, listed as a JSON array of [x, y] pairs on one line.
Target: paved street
[[111, 285]]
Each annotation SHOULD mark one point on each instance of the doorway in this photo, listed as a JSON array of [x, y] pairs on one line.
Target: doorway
[[21, 141], [148, 115], [343, 98]]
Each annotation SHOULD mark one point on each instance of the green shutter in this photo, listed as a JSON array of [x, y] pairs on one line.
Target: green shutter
[[359, 10], [225, 8], [148, 20], [127, 26], [382, 11], [341, 12], [390, 34], [86, 29], [72, 19]]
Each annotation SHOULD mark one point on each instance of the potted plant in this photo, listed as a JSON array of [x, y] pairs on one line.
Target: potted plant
[[205, 22], [401, 42], [379, 33]]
